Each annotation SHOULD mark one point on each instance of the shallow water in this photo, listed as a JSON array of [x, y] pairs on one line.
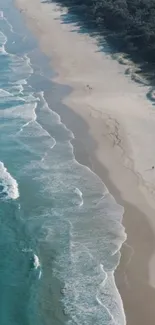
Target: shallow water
[[61, 230]]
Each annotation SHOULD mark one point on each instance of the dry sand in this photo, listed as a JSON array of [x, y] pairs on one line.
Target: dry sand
[[118, 139]]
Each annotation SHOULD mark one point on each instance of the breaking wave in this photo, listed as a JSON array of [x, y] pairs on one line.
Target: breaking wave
[[8, 185]]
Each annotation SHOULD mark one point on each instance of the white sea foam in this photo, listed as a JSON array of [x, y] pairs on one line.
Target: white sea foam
[[46, 153], [10, 26], [108, 297], [81, 267], [25, 112], [37, 265], [36, 261], [26, 250], [2, 17], [79, 193], [20, 82], [53, 116], [2, 50], [30, 112], [9, 184], [3, 39], [90, 295], [17, 89], [28, 65], [84, 266], [95, 232], [21, 67], [4, 93]]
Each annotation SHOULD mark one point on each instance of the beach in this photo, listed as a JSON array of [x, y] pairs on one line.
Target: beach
[[114, 127]]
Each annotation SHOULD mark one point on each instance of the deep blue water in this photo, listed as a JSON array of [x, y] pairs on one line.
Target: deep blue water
[[60, 229]]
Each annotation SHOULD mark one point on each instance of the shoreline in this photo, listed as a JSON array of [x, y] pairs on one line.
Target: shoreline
[[130, 291], [100, 144]]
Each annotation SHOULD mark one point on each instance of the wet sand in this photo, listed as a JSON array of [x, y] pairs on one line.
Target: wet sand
[[132, 275], [114, 130]]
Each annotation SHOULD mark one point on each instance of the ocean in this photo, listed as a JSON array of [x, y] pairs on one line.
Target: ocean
[[60, 228]]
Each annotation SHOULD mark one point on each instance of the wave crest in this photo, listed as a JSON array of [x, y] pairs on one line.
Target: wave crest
[[9, 186]]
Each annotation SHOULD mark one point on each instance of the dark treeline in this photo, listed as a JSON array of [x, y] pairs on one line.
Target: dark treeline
[[130, 23]]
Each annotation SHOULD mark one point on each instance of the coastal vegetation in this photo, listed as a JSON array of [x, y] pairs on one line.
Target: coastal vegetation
[[128, 25]]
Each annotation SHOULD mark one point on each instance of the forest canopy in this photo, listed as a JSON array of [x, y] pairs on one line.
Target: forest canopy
[[131, 23]]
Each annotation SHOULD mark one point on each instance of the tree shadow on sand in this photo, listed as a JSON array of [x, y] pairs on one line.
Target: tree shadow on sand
[[109, 42]]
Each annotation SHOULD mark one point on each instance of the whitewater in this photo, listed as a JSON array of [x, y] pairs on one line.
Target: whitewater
[[61, 228]]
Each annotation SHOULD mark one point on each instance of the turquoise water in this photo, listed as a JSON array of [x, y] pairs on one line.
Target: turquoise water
[[61, 229]]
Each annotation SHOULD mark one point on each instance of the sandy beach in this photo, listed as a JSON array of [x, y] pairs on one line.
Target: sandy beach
[[114, 127]]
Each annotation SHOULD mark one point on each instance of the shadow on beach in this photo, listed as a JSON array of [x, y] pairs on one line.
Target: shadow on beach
[[139, 71]]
